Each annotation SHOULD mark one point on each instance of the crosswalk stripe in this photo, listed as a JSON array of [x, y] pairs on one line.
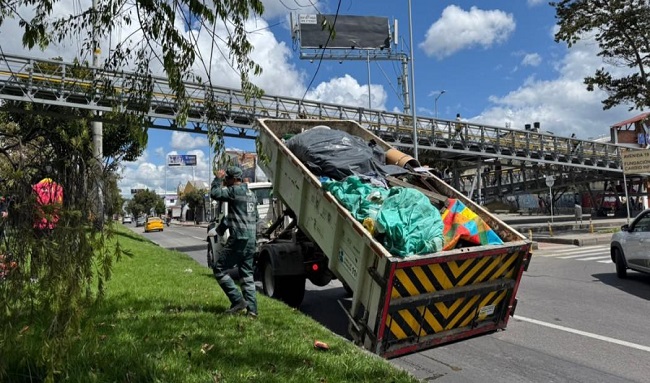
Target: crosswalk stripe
[[594, 258], [598, 253], [575, 256], [583, 250]]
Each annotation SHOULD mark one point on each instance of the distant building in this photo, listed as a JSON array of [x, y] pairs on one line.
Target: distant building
[[171, 200], [185, 213], [633, 132], [194, 185]]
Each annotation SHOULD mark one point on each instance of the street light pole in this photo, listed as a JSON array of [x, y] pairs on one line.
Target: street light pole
[[435, 102]]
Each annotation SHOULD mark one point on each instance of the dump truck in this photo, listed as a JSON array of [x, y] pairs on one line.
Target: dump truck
[[399, 304]]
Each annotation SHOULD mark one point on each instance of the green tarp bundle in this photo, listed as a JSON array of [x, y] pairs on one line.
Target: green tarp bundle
[[409, 224]]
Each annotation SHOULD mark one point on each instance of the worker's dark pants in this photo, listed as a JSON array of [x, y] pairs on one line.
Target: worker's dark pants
[[237, 253]]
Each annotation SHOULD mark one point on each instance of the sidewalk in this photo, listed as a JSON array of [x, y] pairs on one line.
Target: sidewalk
[[564, 229], [189, 223], [577, 239]]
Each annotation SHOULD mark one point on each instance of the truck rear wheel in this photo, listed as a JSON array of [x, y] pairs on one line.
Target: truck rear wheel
[[289, 289]]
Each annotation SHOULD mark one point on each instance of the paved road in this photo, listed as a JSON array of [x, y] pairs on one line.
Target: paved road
[[575, 322]]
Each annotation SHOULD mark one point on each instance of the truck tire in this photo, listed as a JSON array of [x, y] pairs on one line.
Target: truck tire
[[289, 289]]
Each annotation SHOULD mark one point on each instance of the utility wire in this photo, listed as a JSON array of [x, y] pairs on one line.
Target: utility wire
[[390, 83], [320, 60]]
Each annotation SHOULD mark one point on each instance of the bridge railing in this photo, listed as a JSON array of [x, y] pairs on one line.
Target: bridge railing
[[49, 81]]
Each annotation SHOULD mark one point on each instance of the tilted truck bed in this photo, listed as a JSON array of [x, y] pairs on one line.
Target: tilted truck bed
[[399, 305]]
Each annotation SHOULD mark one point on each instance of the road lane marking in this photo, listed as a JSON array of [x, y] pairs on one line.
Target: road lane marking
[[575, 250], [594, 258], [584, 333], [571, 252], [607, 261], [574, 256]]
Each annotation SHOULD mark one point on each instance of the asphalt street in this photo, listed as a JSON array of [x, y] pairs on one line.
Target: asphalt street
[[575, 321]]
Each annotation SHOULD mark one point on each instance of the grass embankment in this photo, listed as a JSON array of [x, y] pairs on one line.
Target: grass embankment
[[162, 321]]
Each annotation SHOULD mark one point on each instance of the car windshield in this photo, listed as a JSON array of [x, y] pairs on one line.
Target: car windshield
[[643, 224]]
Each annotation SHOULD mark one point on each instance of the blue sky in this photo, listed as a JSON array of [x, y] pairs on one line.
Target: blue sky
[[495, 59]]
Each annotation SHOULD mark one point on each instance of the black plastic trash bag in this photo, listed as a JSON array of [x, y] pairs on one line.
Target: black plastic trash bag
[[337, 154]]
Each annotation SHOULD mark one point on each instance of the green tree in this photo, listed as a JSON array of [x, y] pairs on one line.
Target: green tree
[[162, 43], [148, 199], [113, 199], [124, 136], [134, 208], [622, 30], [159, 207], [62, 264], [73, 256], [194, 199]]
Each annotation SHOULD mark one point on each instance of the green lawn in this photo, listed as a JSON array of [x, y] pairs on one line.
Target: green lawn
[[162, 321]]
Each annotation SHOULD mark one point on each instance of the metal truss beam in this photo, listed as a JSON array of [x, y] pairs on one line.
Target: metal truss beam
[[25, 79]]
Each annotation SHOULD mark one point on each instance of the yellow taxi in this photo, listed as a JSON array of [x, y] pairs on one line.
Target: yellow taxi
[[153, 224]]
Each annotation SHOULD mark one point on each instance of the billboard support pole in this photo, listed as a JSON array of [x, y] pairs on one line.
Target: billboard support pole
[[405, 85], [369, 99]]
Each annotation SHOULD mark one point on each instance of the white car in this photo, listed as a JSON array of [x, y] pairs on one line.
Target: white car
[[629, 247], [127, 219]]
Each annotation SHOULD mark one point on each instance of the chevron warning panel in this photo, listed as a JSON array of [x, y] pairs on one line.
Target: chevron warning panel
[[449, 295]]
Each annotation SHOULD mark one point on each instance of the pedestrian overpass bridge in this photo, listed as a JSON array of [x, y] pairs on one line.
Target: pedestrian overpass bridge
[[517, 159]]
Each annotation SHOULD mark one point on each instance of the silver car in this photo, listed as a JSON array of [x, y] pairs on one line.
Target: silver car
[[629, 247]]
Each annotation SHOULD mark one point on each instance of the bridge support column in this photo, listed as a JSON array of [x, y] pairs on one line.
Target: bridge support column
[[98, 137]]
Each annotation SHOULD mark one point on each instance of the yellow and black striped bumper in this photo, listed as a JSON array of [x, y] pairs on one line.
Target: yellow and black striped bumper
[[436, 300]]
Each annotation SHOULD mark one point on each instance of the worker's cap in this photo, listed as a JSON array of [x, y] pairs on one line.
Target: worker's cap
[[233, 172]]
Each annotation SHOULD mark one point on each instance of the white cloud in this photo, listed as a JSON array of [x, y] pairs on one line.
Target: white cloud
[[533, 3], [457, 30], [280, 76], [280, 8], [531, 59], [186, 141], [563, 105], [347, 91], [142, 174]]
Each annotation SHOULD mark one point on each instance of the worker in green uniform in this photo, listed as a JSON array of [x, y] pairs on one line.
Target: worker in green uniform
[[239, 249]]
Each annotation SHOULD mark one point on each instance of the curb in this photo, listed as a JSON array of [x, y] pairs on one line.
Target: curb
[[575, 241]]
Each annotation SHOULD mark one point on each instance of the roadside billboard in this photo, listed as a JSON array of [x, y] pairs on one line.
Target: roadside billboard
[[352, 32], [181, 160], [636, 161]]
